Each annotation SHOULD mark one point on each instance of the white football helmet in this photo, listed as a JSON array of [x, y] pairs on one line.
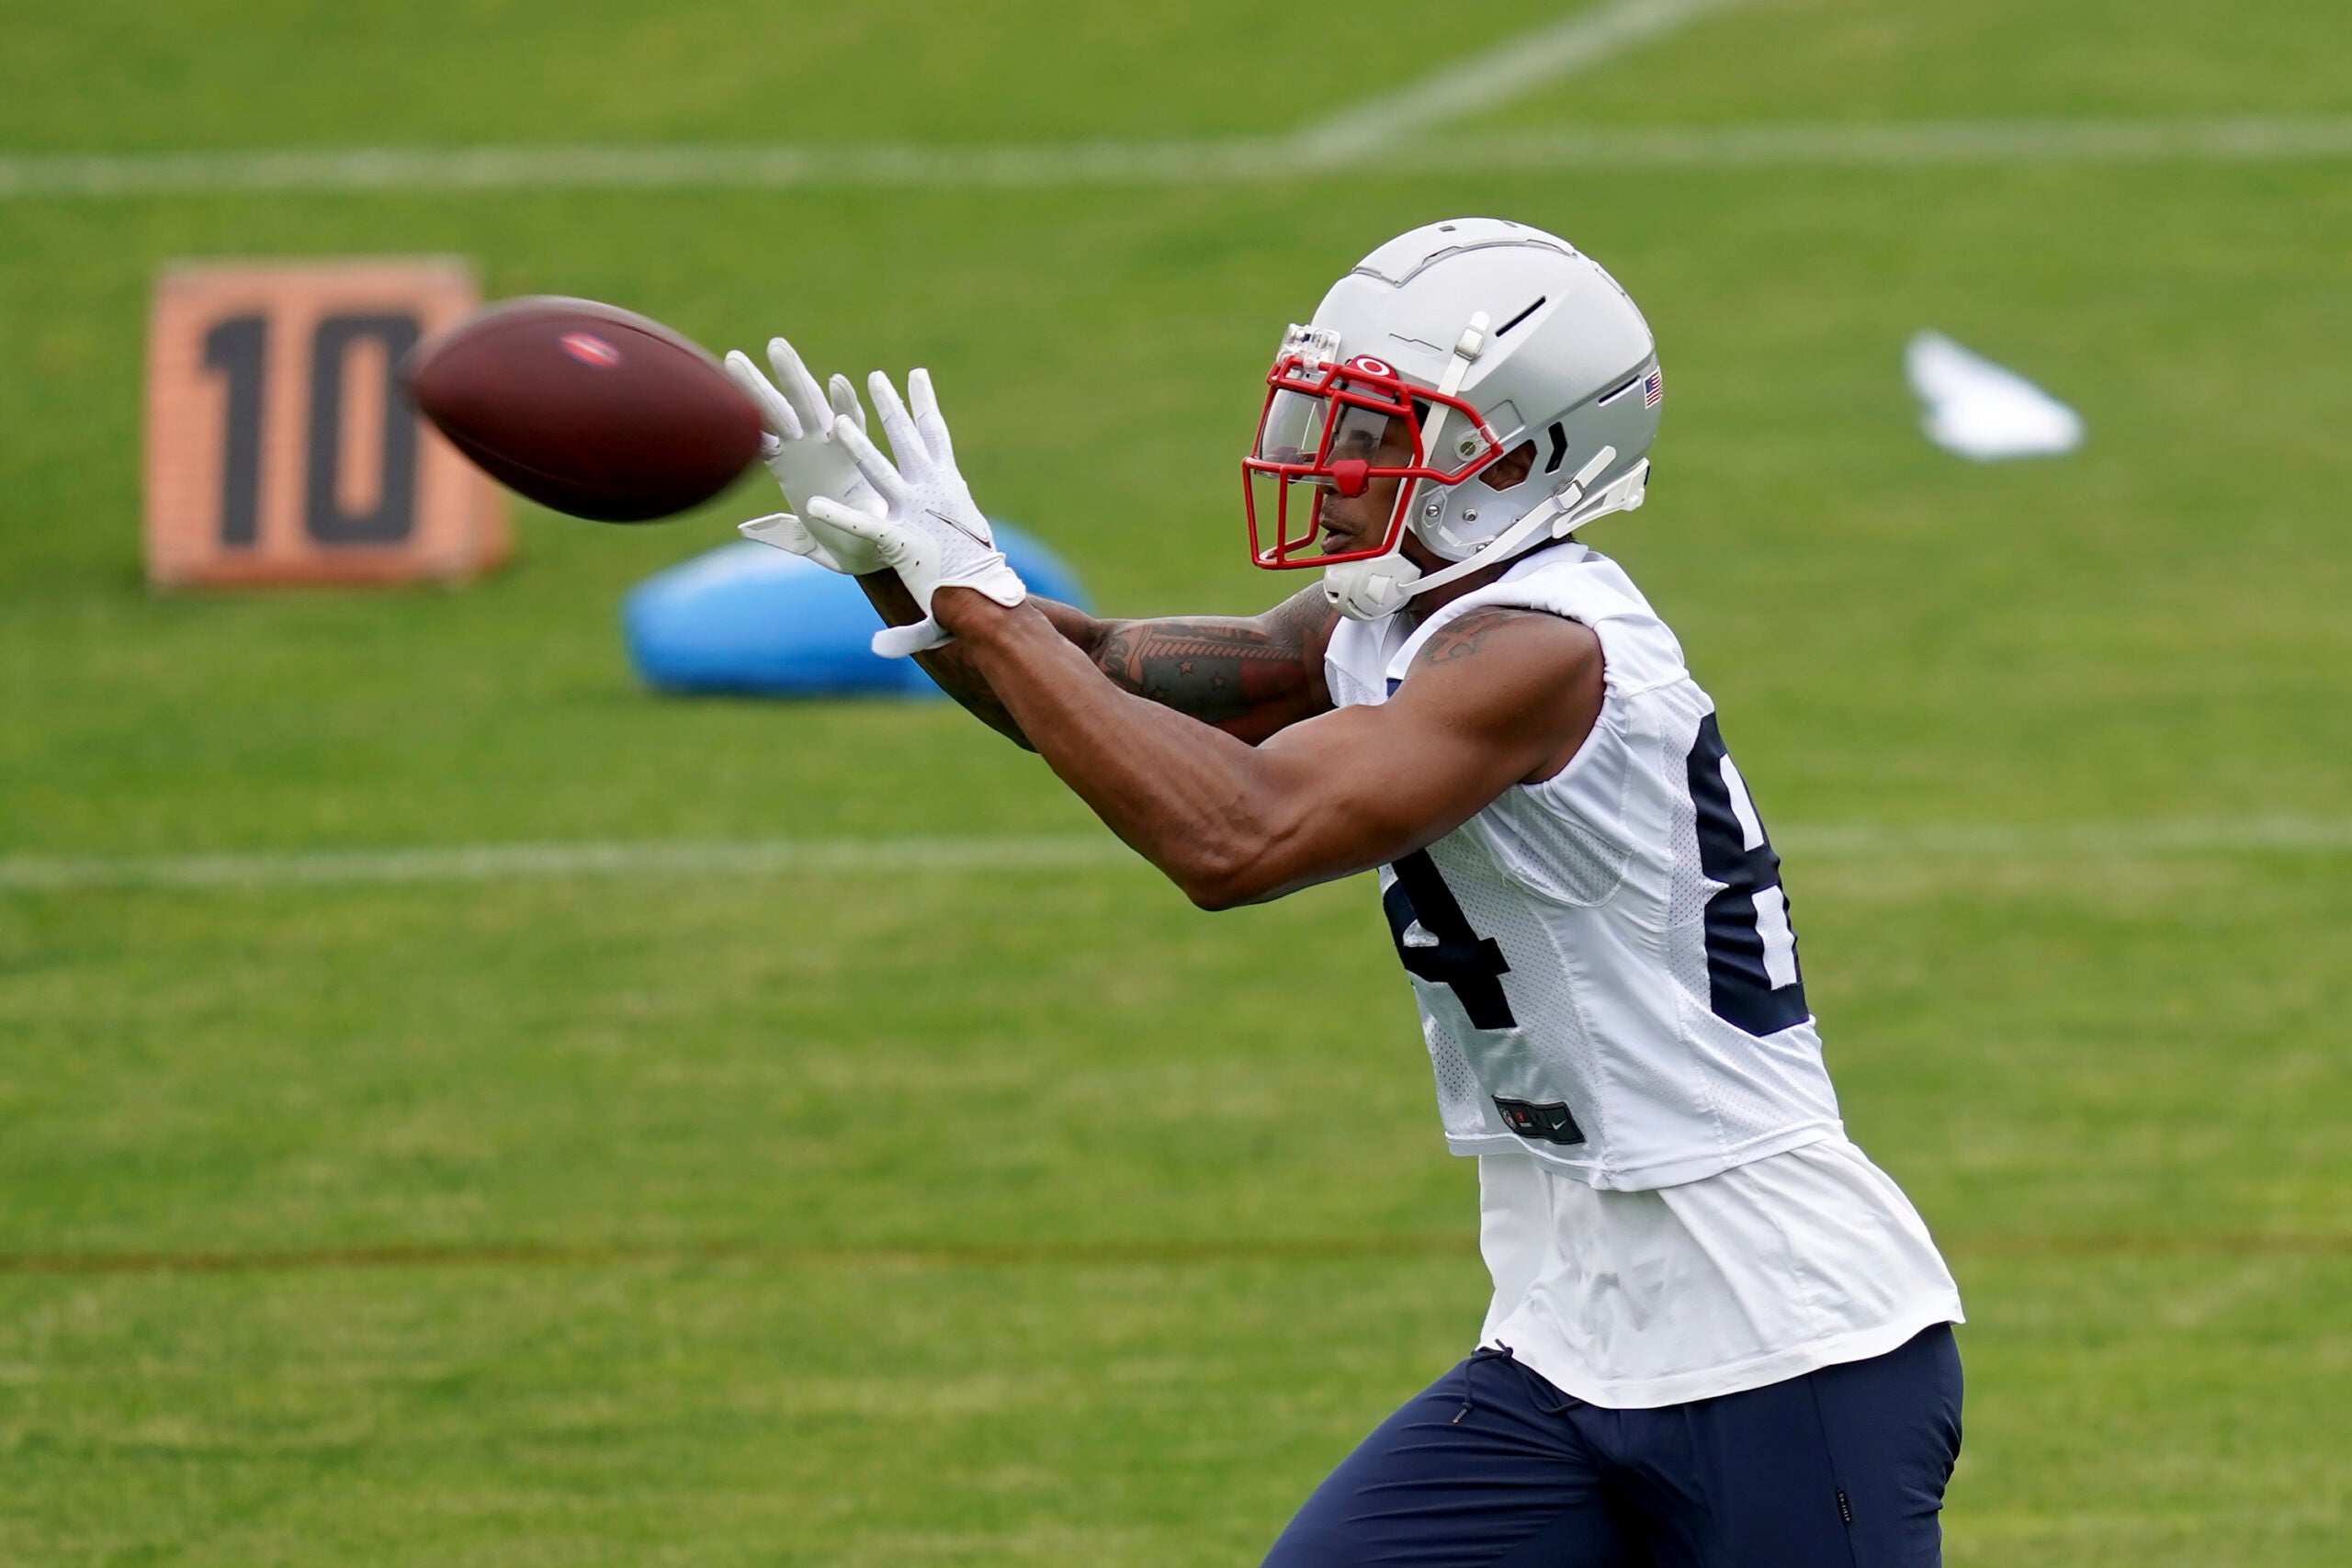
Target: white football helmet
[[1480, 335]]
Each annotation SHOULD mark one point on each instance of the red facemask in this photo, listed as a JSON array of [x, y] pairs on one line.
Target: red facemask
[[1340, 428]]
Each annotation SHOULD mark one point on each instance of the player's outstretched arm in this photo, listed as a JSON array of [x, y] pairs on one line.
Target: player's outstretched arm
[[1248, 676], [1497, 698]]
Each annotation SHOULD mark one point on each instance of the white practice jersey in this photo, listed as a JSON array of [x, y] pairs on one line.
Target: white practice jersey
[[1607, 976], [1608, 987]]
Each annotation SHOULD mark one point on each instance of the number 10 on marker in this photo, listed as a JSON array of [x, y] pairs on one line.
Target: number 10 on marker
[[279, 447]]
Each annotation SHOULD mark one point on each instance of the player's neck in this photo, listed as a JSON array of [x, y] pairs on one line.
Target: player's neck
[[1424, 606]]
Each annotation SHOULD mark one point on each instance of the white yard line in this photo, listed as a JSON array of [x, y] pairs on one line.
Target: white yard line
[[2253, 139], [1503, 74], [2120, 838], [1237, 161], [557, 862], [775, 857]]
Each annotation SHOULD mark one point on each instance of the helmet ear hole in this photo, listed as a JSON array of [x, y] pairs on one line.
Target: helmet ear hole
[[1510, 468]]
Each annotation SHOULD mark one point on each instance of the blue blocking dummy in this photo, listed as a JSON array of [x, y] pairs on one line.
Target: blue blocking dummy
[[750, 618]]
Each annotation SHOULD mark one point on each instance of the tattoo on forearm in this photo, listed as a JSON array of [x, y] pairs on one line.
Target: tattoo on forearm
[[1211, 672], [1253, 676], [1217, 671]]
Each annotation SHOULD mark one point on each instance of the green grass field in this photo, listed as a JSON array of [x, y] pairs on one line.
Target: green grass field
[[946, 1217]]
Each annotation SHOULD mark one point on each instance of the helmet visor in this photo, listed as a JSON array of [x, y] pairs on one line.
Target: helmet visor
[[1337, 414], [1293, 429]]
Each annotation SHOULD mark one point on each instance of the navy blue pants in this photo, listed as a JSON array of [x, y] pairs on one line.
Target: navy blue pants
[[1492, 1467]]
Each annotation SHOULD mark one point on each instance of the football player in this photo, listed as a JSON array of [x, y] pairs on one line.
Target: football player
[[1720, 1337]]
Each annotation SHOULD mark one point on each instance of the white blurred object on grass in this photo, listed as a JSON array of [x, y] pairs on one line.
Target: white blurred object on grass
[[1979, 409]]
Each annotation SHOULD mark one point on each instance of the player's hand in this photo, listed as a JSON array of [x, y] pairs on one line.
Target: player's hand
[[930, 532], [797, 443]]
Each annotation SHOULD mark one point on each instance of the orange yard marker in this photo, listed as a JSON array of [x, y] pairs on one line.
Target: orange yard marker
[[280, 450]]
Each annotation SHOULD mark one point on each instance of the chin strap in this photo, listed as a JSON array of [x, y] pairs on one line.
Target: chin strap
[[1367, 589]]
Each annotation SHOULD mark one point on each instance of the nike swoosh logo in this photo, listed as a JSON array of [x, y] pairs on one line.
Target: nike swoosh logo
[[956, 524]]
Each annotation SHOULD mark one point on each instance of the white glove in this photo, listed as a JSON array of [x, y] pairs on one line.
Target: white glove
[[931, 531], [797, 445]]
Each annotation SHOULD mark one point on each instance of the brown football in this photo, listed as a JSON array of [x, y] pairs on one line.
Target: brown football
[[586, 408]]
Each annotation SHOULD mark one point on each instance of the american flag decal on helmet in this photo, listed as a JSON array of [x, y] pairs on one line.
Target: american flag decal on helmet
[[1653, 389]]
